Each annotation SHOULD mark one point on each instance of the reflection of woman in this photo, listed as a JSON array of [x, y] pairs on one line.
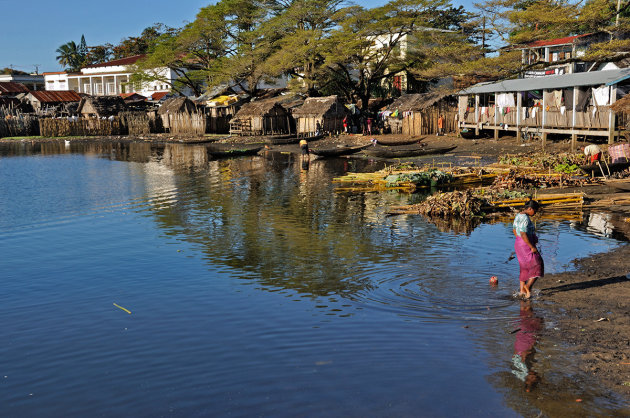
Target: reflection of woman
[[529, 259], [526, 337]]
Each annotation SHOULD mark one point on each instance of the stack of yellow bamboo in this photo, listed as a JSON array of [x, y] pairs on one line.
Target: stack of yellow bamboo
[[561, 199]]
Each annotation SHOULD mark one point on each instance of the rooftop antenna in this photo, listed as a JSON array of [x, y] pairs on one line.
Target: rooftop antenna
[[36, 68]]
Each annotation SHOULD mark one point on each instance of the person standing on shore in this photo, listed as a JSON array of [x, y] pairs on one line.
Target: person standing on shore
[[529, 260], [441, 125]]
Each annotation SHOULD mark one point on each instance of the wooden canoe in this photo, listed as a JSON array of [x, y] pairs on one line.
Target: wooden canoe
[[595, 170], [394, 142], [389, 152], [233, 150], [337, 151]]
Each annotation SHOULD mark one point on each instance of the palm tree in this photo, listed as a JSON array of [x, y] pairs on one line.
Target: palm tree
[[69, 56]]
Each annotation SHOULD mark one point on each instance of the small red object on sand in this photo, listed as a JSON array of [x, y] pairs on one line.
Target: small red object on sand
[[494, 280]]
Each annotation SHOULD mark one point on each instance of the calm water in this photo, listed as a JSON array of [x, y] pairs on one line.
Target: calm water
[[256, 290]]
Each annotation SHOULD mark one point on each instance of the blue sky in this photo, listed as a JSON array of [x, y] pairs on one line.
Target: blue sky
[[33, 30]]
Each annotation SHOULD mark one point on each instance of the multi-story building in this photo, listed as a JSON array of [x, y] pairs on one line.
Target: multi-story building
[[110, 79], [560, 55]]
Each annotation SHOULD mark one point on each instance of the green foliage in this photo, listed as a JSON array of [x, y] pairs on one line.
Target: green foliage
[[561, 163], [429, 178]]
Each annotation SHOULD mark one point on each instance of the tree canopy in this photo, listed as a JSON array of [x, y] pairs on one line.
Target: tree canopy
[[334, 47]]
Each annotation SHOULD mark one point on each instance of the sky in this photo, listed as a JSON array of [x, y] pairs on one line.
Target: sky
[[33, 30]]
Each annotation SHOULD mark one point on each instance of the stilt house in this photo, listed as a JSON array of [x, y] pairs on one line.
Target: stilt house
[[320, 115], [576, 104]]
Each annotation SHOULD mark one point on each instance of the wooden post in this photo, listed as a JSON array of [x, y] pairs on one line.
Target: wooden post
[[497, 115], [519, 114], [476, 114], [611, 115], [544, 119], [574, 118]]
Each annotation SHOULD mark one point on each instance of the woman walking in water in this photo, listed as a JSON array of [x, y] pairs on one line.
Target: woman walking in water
[[529, 259]]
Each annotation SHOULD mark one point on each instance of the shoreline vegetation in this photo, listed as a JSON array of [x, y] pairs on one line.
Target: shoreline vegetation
[[590, 305]]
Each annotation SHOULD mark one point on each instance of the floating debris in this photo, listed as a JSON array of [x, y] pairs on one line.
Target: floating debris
[[124, 309]]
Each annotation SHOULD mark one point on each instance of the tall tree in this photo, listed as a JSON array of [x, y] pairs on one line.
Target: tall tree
[[137, 45], [373, 45], [303, 25], [68, 56]]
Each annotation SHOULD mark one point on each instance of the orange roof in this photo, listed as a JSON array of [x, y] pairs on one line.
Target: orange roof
[[121, 61], [557, 41], [159, 95], [56, 96]]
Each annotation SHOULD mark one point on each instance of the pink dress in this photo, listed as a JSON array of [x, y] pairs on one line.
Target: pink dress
[[531, 264]]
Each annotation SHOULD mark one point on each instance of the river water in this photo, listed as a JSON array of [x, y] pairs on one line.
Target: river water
[[255, 289]]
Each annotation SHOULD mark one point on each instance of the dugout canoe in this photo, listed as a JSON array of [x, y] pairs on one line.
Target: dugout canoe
[[595, 170], [394, 142], [233, 150], [389, 152], [337, 151]]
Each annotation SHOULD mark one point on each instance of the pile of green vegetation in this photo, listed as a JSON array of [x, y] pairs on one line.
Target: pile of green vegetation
[[429, 178], [561, 163]]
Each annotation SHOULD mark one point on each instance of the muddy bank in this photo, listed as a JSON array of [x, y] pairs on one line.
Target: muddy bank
[[591, 307]]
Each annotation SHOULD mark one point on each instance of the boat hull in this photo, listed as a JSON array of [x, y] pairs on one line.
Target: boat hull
[[407, 152]]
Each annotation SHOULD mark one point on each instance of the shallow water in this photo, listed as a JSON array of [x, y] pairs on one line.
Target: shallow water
[[255, 289]]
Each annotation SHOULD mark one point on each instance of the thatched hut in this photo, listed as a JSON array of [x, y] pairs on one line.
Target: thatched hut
[[101, 106], [173, 107], [261, 117], [320, 115], [418, 114]]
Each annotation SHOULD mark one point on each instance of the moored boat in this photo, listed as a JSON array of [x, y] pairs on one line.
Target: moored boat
[[596, 169], [393, 142], [233, 150], [338, 151], [389, 152]]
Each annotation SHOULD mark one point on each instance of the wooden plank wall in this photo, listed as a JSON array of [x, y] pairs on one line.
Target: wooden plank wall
[[426, 122]]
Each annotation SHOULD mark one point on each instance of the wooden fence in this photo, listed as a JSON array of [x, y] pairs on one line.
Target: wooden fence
[[141, 123], [15, 123], [81, 127], [187, 124]]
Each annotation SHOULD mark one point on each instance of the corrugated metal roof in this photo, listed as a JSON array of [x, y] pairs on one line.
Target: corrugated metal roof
[[121, 61], [594, 78], [10, 87], [159, 95], [56, 96]]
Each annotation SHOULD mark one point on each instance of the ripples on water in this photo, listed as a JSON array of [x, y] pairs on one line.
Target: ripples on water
[[254, 289]]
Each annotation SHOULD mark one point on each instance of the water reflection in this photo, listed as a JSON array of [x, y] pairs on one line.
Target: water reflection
[[529, 327], [259, 234]]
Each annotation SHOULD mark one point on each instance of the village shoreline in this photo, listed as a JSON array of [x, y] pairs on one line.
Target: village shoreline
[[575, 300]]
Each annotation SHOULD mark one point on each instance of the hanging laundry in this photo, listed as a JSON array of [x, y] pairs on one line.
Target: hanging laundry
[[562, 109], [557, 98], [601, 96], [505, 100]]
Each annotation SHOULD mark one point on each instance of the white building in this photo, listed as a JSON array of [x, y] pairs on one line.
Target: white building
[[109, 79], [31, 81]]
